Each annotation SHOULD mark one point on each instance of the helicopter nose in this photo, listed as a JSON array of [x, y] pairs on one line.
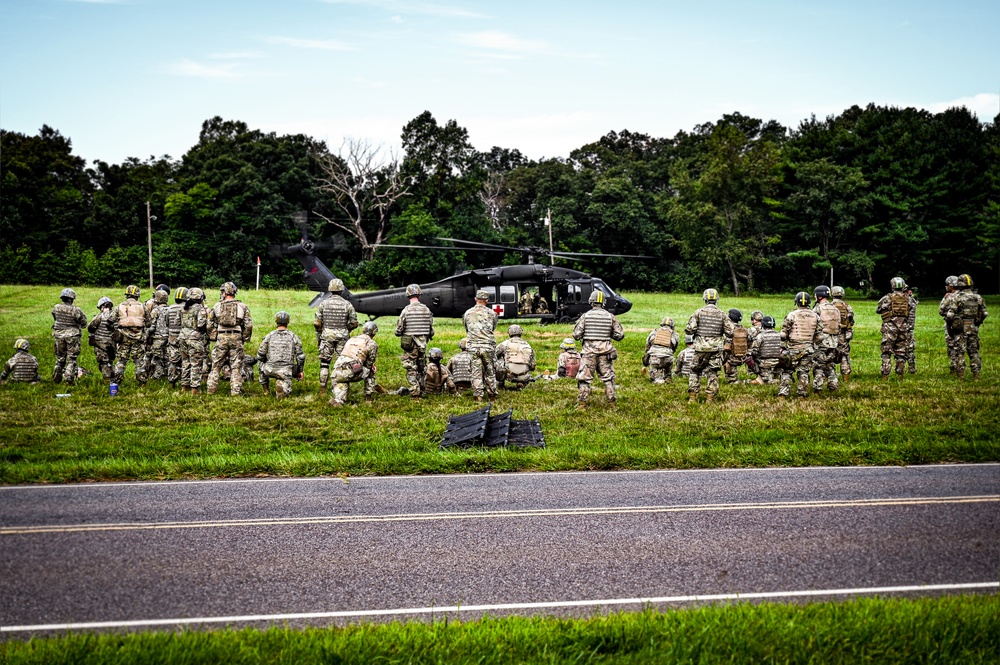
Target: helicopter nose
[[623, 305]]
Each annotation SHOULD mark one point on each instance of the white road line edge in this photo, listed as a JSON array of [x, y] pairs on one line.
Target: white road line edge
[[502, 607]]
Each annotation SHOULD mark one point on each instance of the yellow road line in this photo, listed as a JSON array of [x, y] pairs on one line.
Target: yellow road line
[[498, 514]]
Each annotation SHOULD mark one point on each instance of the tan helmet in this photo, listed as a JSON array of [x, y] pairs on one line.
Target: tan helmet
[[756, 315], [837, 292], [160, 297], [196, 294], [132, 291], [667, 321], [965, 281], [336, 285], [228, 288], [462, 343], [596, 298], [370, 328], [413, 290], [897, 283]]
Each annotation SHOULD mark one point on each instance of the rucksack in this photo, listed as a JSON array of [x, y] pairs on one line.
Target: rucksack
[[899, 304], [740, 341], [229, 313], [845, 317]]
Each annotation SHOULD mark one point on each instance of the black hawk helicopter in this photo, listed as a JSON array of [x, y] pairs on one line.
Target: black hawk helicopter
[[565, 291]]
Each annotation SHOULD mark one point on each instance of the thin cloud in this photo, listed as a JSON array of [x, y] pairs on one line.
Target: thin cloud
[[984, 105], [190, 68], [502, 45], [427, 9], [236, 55], [315, 44]]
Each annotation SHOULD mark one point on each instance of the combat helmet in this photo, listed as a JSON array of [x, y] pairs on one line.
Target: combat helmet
[[667, 321], [897, 283], [370, 328], [951, 281], [462, 343], [22, 345], [413, 290], [756, 315], [160, 297], [596, 298], [802, 299], [767, 322], [965, 281], [710, 295], [735, 315], [68, 294], [132, 291], [822, 291], [568, 344], [229, 289], [282, 318], [163, 287], [336, 285], [435, 354], [196, 294], [181, 294], [515, 331], [104, 300], [483, 294], [837, 292]]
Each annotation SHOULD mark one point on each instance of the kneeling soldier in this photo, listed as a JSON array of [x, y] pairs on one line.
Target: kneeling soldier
[[280, 357], [22, 366], [515, 359], [660, 346], [356, 363], [437, 377]]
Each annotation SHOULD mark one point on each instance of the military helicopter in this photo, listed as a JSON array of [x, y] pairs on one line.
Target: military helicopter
[[565, 291]]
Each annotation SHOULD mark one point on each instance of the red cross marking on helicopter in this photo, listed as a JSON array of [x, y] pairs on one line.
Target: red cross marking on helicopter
[[498, 309]]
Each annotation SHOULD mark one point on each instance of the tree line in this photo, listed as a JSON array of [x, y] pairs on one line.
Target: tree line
[[740, 204]]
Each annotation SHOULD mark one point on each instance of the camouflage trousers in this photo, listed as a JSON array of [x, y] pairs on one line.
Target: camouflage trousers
[[173, 361], [968, 343], [134, 350], [707, 364], [799, 363], [911, 354], [329, 349], [895, 343], [192, 361], [767, 370], [67, 351], [415, 365], [731, 365], [157, 357], [604, 367], [844, 353], [483, 370], [104, 354], [824, 362], [344, 376], [282, 375], [660, 369], [229, 346]]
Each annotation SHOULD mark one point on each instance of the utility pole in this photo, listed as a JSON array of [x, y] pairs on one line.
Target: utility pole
[[149, 241], [548, 223]]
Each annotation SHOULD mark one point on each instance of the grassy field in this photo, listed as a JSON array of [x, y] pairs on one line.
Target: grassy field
[[157, 433], [931, 630]]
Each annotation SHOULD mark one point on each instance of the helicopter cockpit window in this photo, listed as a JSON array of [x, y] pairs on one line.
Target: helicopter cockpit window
[[574, 293], [601, 286], [508, 293]]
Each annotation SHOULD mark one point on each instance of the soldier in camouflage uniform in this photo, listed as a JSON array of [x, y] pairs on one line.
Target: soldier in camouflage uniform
[[736, 351], [911, 323], [22, 367], [756, 325], [158, 337], [766, 352], [515, 359], [569, 361], [230, 326], [194, 323], [335, 319], [597, 328], [131, 321], [894, 308], [660, 347], [711, 328], [281, 357], [846, 333], [480, 322], [685, 359], [800, 333], [965, 313], [150, 305], [174, 314], [67, 322], [950, 335], [356, 363], [414, 328], [437, 378], [824, 360], [101, 336], [460, 367]]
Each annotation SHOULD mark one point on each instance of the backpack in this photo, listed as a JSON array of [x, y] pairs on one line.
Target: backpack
[[845, 317], [229, 313], [740, 341], [663, 337], [899, 304]]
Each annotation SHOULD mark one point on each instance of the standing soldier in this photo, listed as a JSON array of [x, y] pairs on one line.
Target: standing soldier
[[685, 359], [711, 329], [950, 334], [356, 363], [736, 351], [894, 308], [230, 327], [824, 360], [438, 378], [845, 333], [335, 319], [22, 367], [460, 367], [67, 322], [911, 324], [526, 304], [800, 332], [415, 328], [517, 359], [597, 328], [150, 306], [194, 322], [131, 321], [568, 362], [660, 346], [174, 314], [965, 314], [158, 337], [766, 351], [280, 357], [101, 331], [480, 322]]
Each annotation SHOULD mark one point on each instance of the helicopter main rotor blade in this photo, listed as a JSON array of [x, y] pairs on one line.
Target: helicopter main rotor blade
[[594, 254], [496, 248], [454, 249]]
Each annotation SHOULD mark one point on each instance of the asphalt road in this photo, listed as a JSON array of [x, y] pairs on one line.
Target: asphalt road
[[322, 551]]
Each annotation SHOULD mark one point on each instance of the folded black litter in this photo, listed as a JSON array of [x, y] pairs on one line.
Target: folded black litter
[[479, 428]]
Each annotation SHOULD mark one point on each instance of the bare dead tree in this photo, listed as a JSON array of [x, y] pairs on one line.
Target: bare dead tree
[[365, 185], [492, 196]]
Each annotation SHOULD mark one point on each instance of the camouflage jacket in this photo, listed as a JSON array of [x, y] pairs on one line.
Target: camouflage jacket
[[22, 367], [480, 322], [282, 348], [67, 321]]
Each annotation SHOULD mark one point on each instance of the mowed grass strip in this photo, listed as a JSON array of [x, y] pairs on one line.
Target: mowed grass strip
[[960, 629], [157, 433]]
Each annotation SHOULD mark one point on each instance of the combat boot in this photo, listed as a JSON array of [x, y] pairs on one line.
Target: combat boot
[[380, 389], [322, 391], [195, 391], [692, 398], [581, 406], [709, 399]]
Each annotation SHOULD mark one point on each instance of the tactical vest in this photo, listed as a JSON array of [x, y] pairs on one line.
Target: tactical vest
[[968, 305], [65, 318], [845, 314], [356, 348], [161, 327], [174, 313], [434, 378], [518, 351], [899, 304], [598, 324], [189, 318], [770, 344], [829, 318], [711, 322], [664, 337], [572, 364], [336, 315], [803, 325], [25, 367], [227, 315], [740, 341], [418, 319], [280, 348], [101, 326], [684, 361], [131, 314], [461, 367]]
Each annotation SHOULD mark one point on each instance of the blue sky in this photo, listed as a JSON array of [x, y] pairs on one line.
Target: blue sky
[[137, 78]]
